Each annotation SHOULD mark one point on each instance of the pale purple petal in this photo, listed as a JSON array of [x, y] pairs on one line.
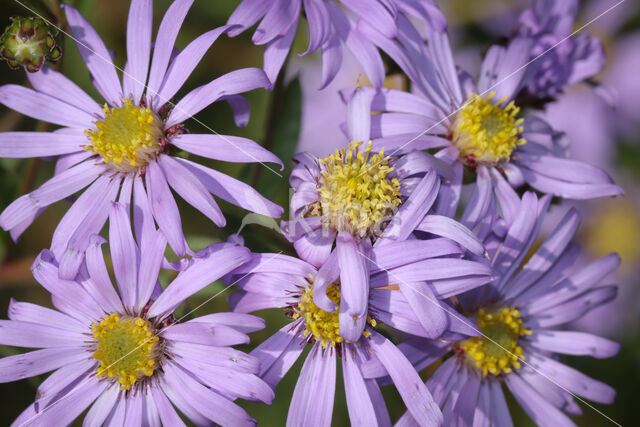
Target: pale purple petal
[[124, 253], [407, 381], [208, 403], [312, 401], [426, 307], [278, 353], [33, 335], [235, 82], [331, 60], [576, 343], [168, 415], [44, 107], [102, 407], [202, 333], [164, 208], [359, 116], [354, 290], [200, 273], [27, 312], [277, 50], [225, 147], [278, 20], [451, 229], [187, 185], [53, 83], [164, 43], [540, 410], [319, 24], [247, 14], [315, 246], [149, 269], [395, 254], [20, 366], [95, 55], [361, 408], [105, 293], [139, 25], [184, 64]]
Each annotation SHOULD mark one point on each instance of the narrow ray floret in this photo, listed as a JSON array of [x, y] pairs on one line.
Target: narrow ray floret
[[126, 150], [116, 353], [520, 327], [477, 125], [353, 199], [280, 281], [332, 26]]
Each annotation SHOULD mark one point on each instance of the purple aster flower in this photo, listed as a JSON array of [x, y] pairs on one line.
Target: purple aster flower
[[331, 25], [521, 316], [126, 355], [433, 267], [569, 60], [477, 125], [123, 151], [355, 199]]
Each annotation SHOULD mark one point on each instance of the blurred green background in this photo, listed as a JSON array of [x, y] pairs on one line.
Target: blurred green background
[[276, 123]]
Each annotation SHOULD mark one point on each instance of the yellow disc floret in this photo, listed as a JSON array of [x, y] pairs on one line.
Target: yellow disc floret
[[126, 348], [324, 326], [486, 132], [128, 137], [357, 192], [497, 350]]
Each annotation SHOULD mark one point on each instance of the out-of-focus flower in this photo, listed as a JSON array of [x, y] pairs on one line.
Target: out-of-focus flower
[[125, 354], [521, 316], [279, 281], [565, 60], [27, 43], [124, 150], [355, 199], [478, 125], [332, 24]]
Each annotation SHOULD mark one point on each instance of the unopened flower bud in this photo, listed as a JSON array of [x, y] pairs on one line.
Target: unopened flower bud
[[28, 42]]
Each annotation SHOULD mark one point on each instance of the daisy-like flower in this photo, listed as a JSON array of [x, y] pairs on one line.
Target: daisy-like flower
[[125, 355], [570, 59], [355, 199], [433, 267], [332, 24], [521, 316], [124, 150], [478, 126]]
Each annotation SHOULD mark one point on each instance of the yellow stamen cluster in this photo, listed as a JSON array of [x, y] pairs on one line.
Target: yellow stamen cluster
[[128, 137], [324, 326], [487, 132], [357, 193], [497, 350], [125, 348]]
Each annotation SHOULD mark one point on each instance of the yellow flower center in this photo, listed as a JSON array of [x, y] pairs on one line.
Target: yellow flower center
[[484, 132], [126, 348], [497, 350], [357, 192], [128, 137], [324, 326]]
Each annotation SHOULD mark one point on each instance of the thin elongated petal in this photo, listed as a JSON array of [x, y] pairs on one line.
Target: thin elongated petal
[[225, 147], [124, 253], [200, 273], [138, 45], [413, 391], [95, 55], [32, 335], [185, 62], [354, 290], [39, 144], [312, 401], [426, 307], [164, 208], [44, 107], [191, 189], [168, 415], [577, 343], [102, 407], [451, 229], [26, 312], [164, 43], [149, 269], [105, 294], [247, 14], [55, 84], [19, 366], [276, 52], [235, 82], [359, 403], [278, 353]]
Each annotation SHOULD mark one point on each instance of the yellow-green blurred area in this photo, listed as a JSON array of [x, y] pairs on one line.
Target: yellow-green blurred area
[[609, 225]]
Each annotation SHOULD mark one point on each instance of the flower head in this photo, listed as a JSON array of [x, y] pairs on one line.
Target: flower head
[[114, 350], [27, 42], [478, 128], [318, 301], [519, 328], [124, 151]]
